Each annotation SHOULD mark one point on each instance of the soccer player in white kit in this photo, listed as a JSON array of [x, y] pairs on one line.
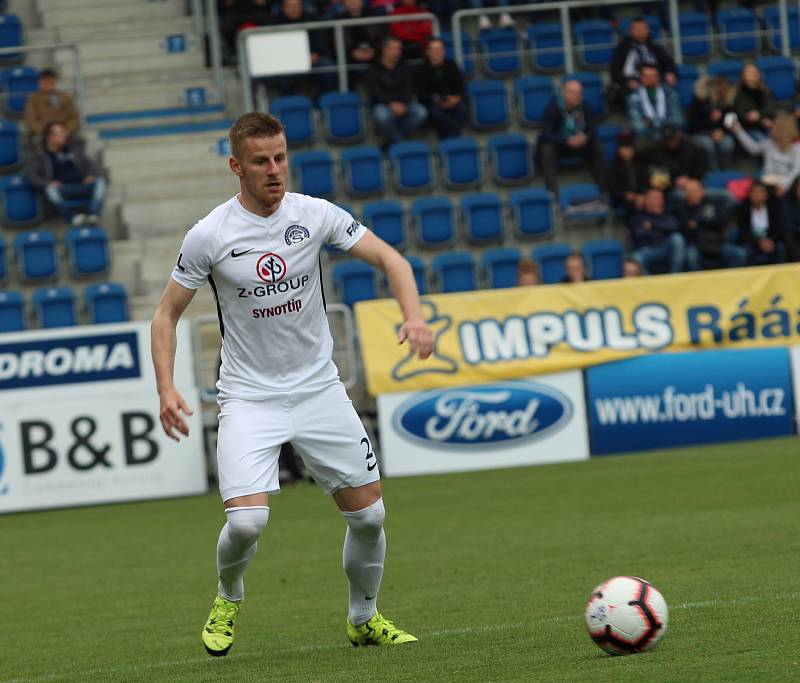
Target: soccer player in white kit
[[259, 251]]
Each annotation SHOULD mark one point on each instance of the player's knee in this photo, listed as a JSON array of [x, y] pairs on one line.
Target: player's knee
[[367, 523], [246, 524]]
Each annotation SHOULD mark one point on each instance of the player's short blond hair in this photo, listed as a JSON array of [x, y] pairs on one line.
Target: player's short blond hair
[[253, 125]]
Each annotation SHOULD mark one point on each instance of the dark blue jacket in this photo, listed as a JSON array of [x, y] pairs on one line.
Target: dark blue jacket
[[651, 229], [553, 120]]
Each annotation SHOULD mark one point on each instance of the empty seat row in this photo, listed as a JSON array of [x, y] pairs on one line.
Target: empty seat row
[[105, 302], [459, 271], [37, 259], [16, 83]]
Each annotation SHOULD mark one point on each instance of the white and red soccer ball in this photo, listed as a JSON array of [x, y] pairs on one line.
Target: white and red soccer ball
[[625, 615]]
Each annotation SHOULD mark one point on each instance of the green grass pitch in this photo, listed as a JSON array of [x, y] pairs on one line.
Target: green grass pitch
[[491, 570]]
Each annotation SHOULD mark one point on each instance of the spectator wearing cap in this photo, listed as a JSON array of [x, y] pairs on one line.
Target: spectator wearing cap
[[652, 106], [49, 104]]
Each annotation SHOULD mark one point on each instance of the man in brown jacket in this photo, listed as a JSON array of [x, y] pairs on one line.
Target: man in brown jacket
[[49, 104]]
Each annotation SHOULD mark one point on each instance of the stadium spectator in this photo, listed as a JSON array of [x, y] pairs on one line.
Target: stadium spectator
[[713, 99], [704, 223], [236, 15], [790, 222], [61, 169], [484, 23], [391, 89], [568, 130], [49, 104], [633, 52], [628, 178], [759, 227], [527, 273], [674, 160], [413, 34], [631, 268], [753, 102], [655, 236], [440, 87], [575, 267], [360, 41], [294, 12], [781, 156], [652, 106]]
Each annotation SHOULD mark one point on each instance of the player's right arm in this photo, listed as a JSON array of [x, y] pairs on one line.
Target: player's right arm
[[163, 343]]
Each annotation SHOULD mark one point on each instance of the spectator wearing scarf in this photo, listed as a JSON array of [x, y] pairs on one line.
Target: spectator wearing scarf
[[651, 107], [633, 52]]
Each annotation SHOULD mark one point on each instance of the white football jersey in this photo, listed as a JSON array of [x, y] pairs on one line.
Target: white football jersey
[[265, 273]]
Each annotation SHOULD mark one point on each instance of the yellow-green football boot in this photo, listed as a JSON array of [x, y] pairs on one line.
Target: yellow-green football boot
[[218, 632], [377, 631]]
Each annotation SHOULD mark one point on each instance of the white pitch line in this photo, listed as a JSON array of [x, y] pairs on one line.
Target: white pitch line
[[53, 676]]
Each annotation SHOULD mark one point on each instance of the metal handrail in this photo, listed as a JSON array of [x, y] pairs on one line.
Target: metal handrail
[[338, 27], [79, 88]]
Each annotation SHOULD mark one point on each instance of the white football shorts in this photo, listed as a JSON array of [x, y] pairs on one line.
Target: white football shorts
[[323, 427]]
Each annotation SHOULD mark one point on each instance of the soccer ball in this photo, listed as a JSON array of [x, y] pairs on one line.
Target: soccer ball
[[625, 615]]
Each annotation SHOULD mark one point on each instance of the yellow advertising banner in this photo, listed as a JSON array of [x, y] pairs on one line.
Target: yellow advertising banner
[[499, 334]]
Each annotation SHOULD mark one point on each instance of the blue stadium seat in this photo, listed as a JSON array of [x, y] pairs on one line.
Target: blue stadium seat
[[434, 221], [729, 68], [500, 266], [532, 211], [455, 271], [106, 302], [297, 116], [532, 94], [603, 258], [343, 118], [420, 271], [550, 259], [412, 166], [54, 306], [460, 160], [656, 30], [687, 75], [510, 158], [21, 206], [593, 90], [578, 193], [356, 281], [772, 21], [312, 173], [387, 220], [501, 51], [16, 82], [595, 40], [11, 35], [363, 170], [12, 312], [10, 147], [36, 256], [738, 28], [488, 104], [718, 180], [695, 35], [87, 250], [482, 213], [778, 74], [608, 135], [467, 48], [546, 42]]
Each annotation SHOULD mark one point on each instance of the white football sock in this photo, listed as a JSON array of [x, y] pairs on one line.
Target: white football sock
[[237, 545], [362, 556]]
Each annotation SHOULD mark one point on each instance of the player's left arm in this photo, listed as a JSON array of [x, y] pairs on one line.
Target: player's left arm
[[415, 330]]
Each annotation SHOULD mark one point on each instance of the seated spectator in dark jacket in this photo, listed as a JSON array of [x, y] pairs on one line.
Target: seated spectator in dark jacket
[[62, 170], [633, 52], [360, 41], [413, 34], [655, 236], [790, 222], [760, 230], [676, 158], [440, 87], [319, 43], [568, 130], [390, 85], [49, 104], [652, 106], [704, 223], [713, 99], [753, 102], [627, 177], [575, 267], [236, 15]]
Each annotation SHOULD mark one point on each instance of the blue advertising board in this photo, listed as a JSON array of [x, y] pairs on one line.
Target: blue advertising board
[[680, 399]]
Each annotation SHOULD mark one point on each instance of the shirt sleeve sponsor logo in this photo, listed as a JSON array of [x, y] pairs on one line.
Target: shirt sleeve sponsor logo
[[295, 234], [271, 268], [353, 229]]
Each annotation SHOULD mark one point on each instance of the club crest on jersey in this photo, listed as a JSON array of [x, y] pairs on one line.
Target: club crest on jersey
[[271, 268], [295, 234]]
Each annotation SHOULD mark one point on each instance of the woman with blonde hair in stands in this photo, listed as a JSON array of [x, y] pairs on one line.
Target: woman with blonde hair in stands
[[781, 155], [753, 102]]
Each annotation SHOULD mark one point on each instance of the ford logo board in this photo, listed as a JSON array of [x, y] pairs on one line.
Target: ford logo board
[[483, 416]]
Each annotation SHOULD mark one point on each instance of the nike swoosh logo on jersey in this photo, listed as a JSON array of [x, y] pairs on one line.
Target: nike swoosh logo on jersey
[[236, 254], [371, 466]]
